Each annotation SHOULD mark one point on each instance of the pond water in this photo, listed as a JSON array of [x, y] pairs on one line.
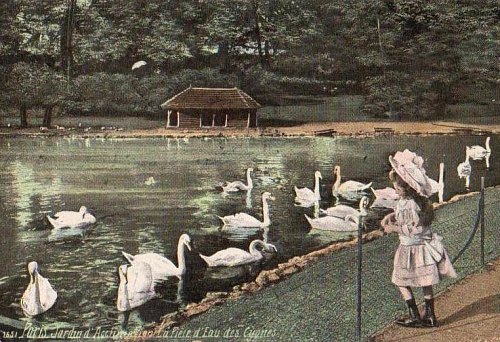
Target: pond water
[[43, 176]]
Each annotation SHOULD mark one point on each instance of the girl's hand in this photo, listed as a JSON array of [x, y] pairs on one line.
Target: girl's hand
[[389, 223]]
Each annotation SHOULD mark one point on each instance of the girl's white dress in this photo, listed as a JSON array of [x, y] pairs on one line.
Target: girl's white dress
[[421, 258]]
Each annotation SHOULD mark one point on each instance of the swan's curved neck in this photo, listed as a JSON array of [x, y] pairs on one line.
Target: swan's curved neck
[[337, 180], [265, 212], [123, 291], [249, 179], [181, 258], [316, 187], [36, 284], [253, 248], [488, 149], [441, 173], [362, 207]]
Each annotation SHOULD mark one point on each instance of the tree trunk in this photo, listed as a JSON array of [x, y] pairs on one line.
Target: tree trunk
[[67, 27], [258, 36], [47, 118], [267, 54], [23, 111], [224, 56]]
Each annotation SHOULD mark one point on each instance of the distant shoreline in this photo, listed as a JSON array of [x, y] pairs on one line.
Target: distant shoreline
[[361, 129]]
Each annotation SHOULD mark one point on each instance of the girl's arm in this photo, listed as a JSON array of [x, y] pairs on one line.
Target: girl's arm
[[389, 223]]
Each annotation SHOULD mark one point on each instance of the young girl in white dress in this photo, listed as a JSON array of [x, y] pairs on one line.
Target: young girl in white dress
[[421, 258]]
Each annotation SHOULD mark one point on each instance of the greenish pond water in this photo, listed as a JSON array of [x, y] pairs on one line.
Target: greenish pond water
[[43, 176]]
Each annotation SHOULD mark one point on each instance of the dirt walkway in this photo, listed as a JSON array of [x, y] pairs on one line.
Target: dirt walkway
[[468, 311], [362, 128]]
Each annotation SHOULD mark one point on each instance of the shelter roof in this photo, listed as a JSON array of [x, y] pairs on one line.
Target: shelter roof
[[211, 98]]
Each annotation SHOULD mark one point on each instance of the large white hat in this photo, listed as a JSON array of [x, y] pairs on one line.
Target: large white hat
[[409, 166]]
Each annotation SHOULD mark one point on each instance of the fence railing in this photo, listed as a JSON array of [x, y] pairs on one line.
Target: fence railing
[[479, 222]]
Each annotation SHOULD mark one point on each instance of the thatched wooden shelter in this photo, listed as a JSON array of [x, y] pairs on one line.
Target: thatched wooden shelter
[[211, 108]]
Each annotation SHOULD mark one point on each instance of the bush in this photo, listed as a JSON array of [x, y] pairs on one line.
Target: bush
[[105, 94], [407, 96]]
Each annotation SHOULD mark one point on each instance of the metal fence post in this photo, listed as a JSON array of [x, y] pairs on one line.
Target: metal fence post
[[481, 212], [358, 278]]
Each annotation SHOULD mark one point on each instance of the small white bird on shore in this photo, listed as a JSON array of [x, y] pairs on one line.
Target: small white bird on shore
[[150, 181]]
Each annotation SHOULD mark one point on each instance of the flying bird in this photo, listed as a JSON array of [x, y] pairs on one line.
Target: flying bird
[[138, 64]]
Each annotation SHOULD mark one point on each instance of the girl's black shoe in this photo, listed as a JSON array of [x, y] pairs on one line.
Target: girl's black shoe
[[429, 320], [413, 319]]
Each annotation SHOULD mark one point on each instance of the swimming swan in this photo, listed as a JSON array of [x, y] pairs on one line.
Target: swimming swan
[[136, 286], [347, 186], [72, 219], [235, 256], [243, 220], [331, 223], [464, 169], [161, 267], [477, 152], [238, 185], [39, 296], [342, 210], [307, 197], [385, 198], [387, 193]]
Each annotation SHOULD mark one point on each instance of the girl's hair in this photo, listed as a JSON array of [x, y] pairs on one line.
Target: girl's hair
[[426, 210]]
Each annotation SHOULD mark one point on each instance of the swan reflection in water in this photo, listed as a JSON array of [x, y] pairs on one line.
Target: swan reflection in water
[[68, 234], [154, 308]]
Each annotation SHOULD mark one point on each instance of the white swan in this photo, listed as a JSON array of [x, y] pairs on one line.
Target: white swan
[[464, 169], [385, 198], [161, 267], [235, 256], [72, 219], [243, 220], [331, 223], [307, 197], [387, 193], [342, 210], [136, 286], [347, 186], [238, 185], [477, 152], [39, 296], [441, 183]]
